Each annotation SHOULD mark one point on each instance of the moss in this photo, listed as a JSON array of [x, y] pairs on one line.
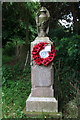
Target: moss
[[43, 114]]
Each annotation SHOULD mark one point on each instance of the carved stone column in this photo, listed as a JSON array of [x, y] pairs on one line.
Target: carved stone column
[[41, 98]]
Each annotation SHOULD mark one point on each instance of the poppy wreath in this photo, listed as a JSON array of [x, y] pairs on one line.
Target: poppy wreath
[[36, 56]]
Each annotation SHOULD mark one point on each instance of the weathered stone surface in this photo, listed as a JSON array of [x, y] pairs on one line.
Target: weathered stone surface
[[41, 104], [42, 21], [41, 98], [42, 92], [42, 76], [40, 39]]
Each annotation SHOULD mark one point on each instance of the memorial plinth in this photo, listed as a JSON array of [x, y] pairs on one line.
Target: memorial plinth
[[42, 98]]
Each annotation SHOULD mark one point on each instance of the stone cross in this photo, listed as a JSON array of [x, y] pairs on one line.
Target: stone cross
[[42, 97]]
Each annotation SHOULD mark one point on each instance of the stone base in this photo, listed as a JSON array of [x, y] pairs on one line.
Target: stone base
[[42, 92], [43, 115], [41, 104]]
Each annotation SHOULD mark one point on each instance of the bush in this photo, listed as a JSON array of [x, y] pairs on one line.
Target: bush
[[67, 68], [71, 110], [9, 49], [16, 89]]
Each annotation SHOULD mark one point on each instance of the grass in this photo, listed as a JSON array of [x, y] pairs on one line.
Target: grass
[[14, 97], [16, 89]]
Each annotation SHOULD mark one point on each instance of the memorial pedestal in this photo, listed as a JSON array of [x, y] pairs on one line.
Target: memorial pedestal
[[41, 104], [41, 98]]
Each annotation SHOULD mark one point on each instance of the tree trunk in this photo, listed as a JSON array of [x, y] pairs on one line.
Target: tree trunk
[[22, 50], [79, 111], [74, 14]]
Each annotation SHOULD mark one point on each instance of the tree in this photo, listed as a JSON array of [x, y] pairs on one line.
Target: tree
[[19, 25], [61, 10]]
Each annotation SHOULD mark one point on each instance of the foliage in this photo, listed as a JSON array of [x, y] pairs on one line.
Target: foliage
[[15, 17], [16, 89], [71, 110], [67, 67], [62, 11], [18, 24], [9, 49], [7, 59], [59, 32]]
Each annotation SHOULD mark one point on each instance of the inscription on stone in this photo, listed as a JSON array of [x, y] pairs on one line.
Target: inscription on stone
[[41, 75]]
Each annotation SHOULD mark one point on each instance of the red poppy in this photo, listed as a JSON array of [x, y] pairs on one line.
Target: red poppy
[[37, 58]]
